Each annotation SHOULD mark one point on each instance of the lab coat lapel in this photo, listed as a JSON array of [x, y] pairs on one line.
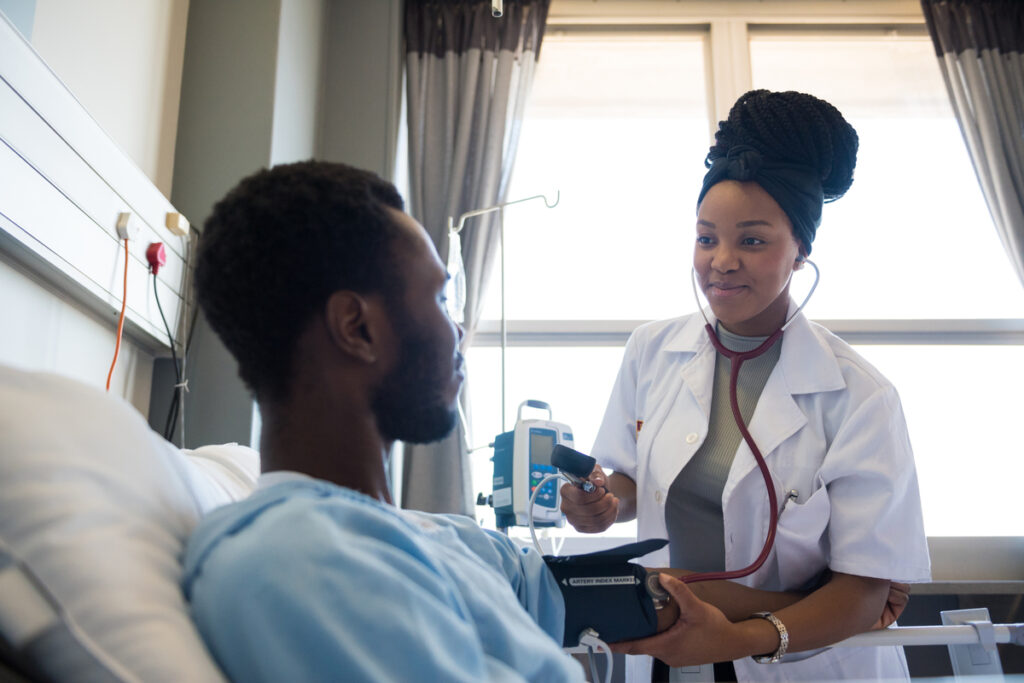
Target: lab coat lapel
[[691, 383], [698, 374], [776, 418], [806, 366]]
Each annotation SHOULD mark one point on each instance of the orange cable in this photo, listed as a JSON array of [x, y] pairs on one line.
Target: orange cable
[[120, 321]]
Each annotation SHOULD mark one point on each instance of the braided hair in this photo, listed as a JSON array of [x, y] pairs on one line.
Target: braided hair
[[795, 128]]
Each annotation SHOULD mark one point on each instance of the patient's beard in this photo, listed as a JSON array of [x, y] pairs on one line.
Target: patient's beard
[[410, 405]]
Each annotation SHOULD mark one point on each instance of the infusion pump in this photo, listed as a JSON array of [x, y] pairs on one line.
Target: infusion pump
[[522, 458]]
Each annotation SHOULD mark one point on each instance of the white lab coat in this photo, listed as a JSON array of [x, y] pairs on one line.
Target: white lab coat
[[832, 432]]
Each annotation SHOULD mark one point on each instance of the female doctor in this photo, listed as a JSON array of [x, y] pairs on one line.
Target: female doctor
[[828, 425]]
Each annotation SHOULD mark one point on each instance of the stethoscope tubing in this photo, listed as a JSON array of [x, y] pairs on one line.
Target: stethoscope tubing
[[736, 360]]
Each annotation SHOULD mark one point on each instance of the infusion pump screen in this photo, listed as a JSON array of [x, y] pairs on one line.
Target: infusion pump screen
[[542, 442]]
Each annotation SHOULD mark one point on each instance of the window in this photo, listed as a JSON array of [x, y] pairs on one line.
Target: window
[[959, 413], [913, 273], [915, 216], [916, 220], [617, 122]]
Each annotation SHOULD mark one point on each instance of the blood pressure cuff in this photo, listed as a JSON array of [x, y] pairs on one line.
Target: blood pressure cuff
[[606, 592]]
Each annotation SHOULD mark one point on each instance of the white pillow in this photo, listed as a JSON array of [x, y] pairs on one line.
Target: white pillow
[[232, 468], [98, 506]]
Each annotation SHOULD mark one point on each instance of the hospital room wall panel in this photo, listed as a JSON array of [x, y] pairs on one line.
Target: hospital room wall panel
[[68, 213], [62, 242], [74, 169]]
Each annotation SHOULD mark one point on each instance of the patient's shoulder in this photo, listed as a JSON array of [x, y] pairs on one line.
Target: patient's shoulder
[[287, 517], [303, 562]]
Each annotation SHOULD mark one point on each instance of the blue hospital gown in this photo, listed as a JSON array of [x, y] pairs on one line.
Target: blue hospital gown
[[309, 581]]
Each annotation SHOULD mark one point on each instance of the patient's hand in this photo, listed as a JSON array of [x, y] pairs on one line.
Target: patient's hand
[[895, 603]]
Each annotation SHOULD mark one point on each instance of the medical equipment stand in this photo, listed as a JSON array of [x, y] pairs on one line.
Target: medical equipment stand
[[453, 238]]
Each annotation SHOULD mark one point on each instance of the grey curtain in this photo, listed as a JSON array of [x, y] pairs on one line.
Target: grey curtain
[[467, 78], [979, 45]]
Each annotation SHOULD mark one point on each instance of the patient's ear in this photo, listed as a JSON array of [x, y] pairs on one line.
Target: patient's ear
[[354, 324]]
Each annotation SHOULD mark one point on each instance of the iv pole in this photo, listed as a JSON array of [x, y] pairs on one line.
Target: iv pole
[[455, 230]]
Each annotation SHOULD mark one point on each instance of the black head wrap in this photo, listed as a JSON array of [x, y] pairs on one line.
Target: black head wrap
[[797, 147], [795, 187]]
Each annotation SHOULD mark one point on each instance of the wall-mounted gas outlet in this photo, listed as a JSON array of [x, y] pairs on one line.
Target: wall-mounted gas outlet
[[127, 225], [177, 223]]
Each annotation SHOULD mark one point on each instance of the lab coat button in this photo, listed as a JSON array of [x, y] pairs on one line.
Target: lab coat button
[[657, 496], [692, 437]]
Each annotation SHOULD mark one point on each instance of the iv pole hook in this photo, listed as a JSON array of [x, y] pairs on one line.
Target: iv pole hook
[[479, 212], [454, 231]]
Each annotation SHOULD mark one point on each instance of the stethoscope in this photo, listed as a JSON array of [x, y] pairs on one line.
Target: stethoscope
[[736, 360]]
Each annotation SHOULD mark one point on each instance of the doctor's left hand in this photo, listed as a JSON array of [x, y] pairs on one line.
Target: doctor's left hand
[[895, 603], [700, 635]]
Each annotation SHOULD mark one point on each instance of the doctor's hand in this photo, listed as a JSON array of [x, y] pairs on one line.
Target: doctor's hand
[[895, 603], [700, 635], [593, 512]]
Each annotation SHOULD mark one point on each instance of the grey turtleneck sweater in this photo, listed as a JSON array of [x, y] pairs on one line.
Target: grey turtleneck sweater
[[693, 511]]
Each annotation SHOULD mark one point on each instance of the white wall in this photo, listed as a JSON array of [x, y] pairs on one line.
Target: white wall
[[298, 81], [123, 60], [44, 332], [250, 89], [362, 93]]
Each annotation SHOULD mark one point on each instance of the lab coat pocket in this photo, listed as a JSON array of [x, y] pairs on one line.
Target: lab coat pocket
[[801, 543], [826, 664]]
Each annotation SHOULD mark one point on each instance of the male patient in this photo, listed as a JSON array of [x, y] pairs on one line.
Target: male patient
[[332, 301]]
